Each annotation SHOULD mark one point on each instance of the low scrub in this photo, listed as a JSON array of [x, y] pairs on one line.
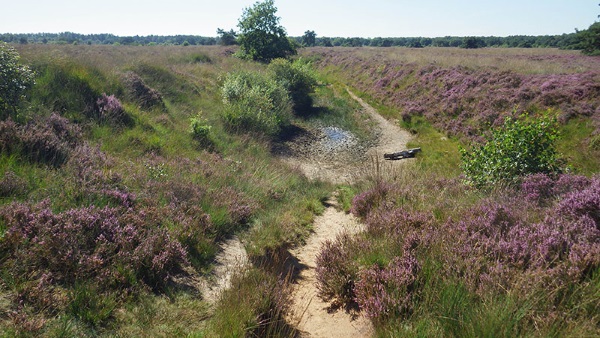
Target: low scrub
[[520, 147], [256, 103], [16, 78], [519, 256], [46, 141], [298, 79], [139, 92]]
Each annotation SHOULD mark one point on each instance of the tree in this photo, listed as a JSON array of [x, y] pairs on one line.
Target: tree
[[309, 38], [589, 39], [261, 36], [226, 38], [472, 42], [14, 80]]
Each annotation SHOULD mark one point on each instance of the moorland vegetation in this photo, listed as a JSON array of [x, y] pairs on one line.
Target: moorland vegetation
[[123, 169]]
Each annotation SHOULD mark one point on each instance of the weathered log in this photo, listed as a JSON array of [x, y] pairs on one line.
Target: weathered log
[[409, 153]]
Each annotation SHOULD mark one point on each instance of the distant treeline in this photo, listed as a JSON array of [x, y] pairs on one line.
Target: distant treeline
[[520, 41], [106, 39], [565, 41]]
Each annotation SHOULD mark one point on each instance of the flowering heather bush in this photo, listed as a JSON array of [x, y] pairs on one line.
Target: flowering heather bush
[[363, 203], [114, 247], [543, 237], [12, 185], [542, 188], [388, 292], [336, 271], [9, 135], [496, 246], [47, 141], [537, 187], [582, 204], [145, 96], [397, 222], [111, 110]]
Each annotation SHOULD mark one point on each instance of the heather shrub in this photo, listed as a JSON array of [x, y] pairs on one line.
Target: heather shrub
[[537, 187], [48, 141], [111, 110], [9, 135], [255, 103], [388, 292], [396, 222], [365, 202], [584, 203], [12, 185], [139, 92], [520, 147], [298, 79], [114, 247], [15, 79], [544, 188], [336, 271]]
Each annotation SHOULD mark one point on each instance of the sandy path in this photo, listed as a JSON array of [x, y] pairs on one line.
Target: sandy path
[[313, 316], [231, 258]]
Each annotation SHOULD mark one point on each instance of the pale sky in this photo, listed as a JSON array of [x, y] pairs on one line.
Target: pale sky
[[337, 18]]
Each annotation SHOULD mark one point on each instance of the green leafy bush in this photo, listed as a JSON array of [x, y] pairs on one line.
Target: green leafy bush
[[200, 129], [298, 79], [14, 79], [254, 102], [521, 146]]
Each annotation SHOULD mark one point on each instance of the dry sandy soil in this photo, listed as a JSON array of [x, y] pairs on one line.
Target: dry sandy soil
[[339, 158], [314, 317]]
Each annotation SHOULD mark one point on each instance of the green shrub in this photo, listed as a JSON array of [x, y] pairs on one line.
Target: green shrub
[[521, 146], [298, 79], [200, 130], [14, 79], [255, 103]]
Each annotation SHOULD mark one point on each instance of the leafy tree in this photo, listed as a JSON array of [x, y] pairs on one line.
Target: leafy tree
[[472, 42], [520, 147], [309, 38], [15, 78], [589, 40], [226, 38], [261, 36]]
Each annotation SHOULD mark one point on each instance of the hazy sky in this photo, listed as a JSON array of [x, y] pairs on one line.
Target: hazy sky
[[344, 18]]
